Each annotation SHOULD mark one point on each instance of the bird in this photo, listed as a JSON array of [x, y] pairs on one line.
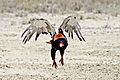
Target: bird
[[58, 40]]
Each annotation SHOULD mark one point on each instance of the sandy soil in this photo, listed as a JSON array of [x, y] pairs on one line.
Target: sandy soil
[[96, 59]]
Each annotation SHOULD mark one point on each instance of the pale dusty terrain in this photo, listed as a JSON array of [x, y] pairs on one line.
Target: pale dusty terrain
[[96, 59]]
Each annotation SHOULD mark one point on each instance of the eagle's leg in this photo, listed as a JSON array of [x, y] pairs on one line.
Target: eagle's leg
[[53, 51], [61, 60], [54, 64]]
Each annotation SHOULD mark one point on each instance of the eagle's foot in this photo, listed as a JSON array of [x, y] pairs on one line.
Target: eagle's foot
[[54, 64]]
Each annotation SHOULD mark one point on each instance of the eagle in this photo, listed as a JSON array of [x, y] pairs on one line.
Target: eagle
[[59, 40]]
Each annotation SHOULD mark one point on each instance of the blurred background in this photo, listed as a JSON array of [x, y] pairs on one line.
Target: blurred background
[[96, 59], [60, 6]]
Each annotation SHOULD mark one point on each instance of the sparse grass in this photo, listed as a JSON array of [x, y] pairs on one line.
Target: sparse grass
[[60, 6], [13, 23]]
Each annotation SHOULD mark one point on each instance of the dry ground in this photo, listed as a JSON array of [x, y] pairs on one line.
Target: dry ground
[[96, 59]]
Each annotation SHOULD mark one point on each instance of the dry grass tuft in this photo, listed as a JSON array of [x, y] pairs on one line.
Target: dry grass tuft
[[60, 6]]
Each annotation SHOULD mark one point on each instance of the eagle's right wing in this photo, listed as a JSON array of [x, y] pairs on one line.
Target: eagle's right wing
[[69, 25], [38, 26]]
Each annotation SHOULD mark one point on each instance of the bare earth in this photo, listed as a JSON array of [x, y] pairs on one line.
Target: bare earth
[[96, 59]]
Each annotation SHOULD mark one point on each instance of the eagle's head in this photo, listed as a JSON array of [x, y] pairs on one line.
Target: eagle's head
[[60, 31]]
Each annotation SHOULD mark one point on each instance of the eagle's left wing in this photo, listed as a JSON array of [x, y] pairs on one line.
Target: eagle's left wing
[[38, 26]]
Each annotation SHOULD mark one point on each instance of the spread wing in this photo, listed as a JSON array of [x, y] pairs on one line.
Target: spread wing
[[69, 25], [37, 26]]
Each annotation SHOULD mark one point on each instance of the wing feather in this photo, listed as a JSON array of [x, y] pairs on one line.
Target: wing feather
[[37, 26], [78, 36], [69, 25], [24, 32]]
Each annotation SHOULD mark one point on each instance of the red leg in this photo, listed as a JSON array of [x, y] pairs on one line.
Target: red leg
[[54, 64], [53, 57], [61, 60]]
